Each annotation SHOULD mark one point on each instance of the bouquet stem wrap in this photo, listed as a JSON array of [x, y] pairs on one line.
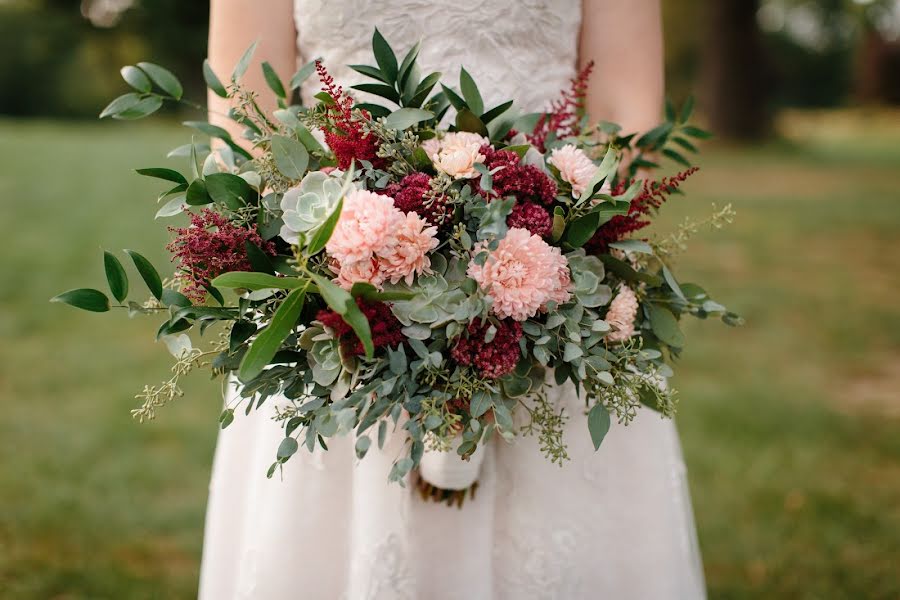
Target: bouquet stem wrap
[[446, 470]]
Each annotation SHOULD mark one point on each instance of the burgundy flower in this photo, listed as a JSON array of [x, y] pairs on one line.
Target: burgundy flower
[[491, 359], [409, 196], [651, 197], [384, 325], [526, 182], [212, 245], [532, 217]]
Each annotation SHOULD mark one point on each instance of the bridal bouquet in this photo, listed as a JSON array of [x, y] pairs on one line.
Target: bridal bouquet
[[420, 263]]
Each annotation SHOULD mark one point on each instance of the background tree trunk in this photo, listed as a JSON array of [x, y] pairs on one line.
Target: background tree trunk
[[735, 76]]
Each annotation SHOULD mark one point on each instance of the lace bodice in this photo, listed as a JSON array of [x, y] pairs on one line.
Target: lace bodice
[[522, 50]]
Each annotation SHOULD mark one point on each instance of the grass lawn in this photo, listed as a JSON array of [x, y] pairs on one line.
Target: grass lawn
[[791, 424]]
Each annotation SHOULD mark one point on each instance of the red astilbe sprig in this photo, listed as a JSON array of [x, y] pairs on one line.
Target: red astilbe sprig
[[649, 200], [563, 118], [210, 246], [345, 136], [386, 329]]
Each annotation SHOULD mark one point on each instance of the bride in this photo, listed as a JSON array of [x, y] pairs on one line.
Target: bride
[[615, 523]]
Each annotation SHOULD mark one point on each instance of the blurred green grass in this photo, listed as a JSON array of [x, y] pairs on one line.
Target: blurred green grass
[[790, 424]]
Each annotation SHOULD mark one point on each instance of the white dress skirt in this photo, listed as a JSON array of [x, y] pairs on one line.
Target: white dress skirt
[[611, 524]]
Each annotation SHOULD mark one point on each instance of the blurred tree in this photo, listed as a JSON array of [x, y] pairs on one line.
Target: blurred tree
[[736, 83]]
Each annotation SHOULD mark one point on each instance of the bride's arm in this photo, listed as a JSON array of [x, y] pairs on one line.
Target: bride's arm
[[624, 39], [233, 26]]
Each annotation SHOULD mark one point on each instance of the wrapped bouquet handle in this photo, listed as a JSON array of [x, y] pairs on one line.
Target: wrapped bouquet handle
[[446, 476]]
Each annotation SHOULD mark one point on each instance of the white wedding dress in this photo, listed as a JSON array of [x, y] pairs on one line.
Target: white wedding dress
[[612, 524]]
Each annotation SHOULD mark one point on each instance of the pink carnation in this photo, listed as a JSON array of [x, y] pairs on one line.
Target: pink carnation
[[368, 225], [367, 271], [408, 257], [522, 275], [575, 167], [621, 314]]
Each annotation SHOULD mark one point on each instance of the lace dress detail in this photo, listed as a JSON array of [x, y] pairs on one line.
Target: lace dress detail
[[613, 524]]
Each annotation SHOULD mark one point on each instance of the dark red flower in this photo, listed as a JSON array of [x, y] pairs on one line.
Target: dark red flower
[[648, 201], [212, 245], [409, 196], [491, 359], [526, 182], [384, 325], [564, 115], [345, 136], [532, 217]]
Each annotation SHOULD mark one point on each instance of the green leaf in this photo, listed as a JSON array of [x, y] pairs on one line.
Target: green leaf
[[196, 194], [230, 190], [324, 231], [607, 167], [341, 302], [454, 98], [406, 67], [370, 71], [466, 120], [308, 140], [673, 283], [582, 229], [302, 74], [209, 129], [685, 144], [259, 260], [376, 110], [470, 92], [424, 88], [598, 424], [379, 89], [496, 112], [273, 80], [407, 117], [287, 448], [115, 276], [163, 78], [696, 132], [676, 157], [291, 156], [686, 110], [147, 106], [123, 102], [269, 341], [148, 273], [163, 173], [363, 443], [559, 224], [241, 67], [369, 292], [136, 78], [212, 82], [85, 299], [665, 325], [480, 404], [257, 281], [384, 56]]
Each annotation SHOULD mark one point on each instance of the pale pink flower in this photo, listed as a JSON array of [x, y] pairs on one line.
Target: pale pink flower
[[409, 256], [457, 154], [522, 275], [575, 167], [431, 147], [368, 224], [366, 271], [621, 314]]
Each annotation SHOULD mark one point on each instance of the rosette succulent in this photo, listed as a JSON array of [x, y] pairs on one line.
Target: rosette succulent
[[305, 207]]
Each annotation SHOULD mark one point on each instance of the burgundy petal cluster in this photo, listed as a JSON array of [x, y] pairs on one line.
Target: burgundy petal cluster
[[526, 182], [210, 246], [384, 325], [650, 198], [528, 215], [346, 137], [409, 196], [491, 359]]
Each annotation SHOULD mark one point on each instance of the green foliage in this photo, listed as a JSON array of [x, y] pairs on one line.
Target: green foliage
[[268, 342]]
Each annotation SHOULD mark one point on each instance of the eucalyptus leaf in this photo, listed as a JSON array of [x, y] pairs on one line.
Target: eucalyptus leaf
[[163, 78], [291, 156], [598, 424]]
